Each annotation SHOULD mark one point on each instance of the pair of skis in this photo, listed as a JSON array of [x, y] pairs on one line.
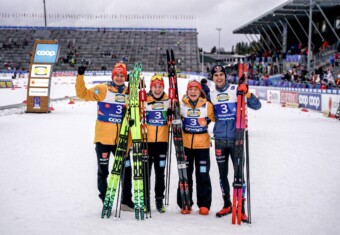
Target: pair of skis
[[138, 169], [241, 140], [175, 123], [131, 121]]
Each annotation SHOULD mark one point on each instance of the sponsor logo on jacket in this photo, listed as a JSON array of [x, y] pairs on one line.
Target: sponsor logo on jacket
[[193, 113], [158, 106], [223, 97], [119, 98]]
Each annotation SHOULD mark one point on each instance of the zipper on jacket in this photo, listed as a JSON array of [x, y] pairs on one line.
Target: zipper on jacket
[[192, 141], [156, 134]]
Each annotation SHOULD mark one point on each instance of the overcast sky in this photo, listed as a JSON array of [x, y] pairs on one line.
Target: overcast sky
[[212, 14]]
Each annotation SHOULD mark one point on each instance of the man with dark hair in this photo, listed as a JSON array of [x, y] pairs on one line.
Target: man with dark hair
[[224, 99]]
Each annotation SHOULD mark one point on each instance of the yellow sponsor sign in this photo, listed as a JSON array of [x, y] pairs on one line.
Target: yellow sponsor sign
[[41, 70], [9, 84]]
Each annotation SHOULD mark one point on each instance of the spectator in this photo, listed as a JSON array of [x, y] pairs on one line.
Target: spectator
[[325, 44], [205, 87], [338, 81], [330, 79]]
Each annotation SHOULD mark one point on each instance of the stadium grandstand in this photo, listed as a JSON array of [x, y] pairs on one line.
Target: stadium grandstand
[[100, 40], [298, 39], [100, 48]]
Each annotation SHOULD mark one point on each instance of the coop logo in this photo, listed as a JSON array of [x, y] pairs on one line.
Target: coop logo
[[46, 53], [115, 120], [310, 101]]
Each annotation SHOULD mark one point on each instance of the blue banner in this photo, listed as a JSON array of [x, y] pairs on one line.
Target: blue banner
[[46, 53], [310, 101], [262, 93]]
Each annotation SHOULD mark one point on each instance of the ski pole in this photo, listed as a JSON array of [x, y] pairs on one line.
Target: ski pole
[[248, 178]]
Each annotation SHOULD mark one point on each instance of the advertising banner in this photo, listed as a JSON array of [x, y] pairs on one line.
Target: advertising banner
[[6, 83], [273, 96], [65, 73], [330, 104], [36, 82], [38, 92], [46, 53], [310, 101], [289, 98], [262, 93], [41, 71]]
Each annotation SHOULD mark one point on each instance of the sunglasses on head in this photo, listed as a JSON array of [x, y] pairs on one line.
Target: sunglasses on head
[[120, 65], [193, 80], [154, 78], [218, 69]]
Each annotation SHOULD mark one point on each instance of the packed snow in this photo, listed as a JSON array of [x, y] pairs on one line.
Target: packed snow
[[48, 173]]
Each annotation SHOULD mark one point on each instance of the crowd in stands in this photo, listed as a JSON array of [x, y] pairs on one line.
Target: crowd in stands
[[263, 65]]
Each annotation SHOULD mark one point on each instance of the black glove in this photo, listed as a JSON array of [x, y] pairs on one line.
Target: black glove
[[81, 70], [242, 79]]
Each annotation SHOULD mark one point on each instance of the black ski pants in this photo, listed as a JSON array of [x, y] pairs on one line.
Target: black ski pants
[[198, 159], [224, 149], [103, 155], [157, 157]]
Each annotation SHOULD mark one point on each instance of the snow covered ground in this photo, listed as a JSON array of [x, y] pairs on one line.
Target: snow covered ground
[[48, 174]]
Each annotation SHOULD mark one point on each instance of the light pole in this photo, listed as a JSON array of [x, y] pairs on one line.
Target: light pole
[[219, 40], [45, 13]]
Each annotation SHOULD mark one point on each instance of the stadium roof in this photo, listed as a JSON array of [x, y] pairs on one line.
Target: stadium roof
[[289, 10]]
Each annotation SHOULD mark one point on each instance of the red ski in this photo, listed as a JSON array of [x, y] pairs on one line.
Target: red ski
[[239, 151]]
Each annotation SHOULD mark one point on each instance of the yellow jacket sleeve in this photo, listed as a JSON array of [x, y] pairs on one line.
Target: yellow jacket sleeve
[[96, 93]]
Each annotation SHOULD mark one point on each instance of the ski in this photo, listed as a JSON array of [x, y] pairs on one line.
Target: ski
[[176, 124], [145, 154], [134, 122], [117, 167], [245, 69], [239, 154]]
